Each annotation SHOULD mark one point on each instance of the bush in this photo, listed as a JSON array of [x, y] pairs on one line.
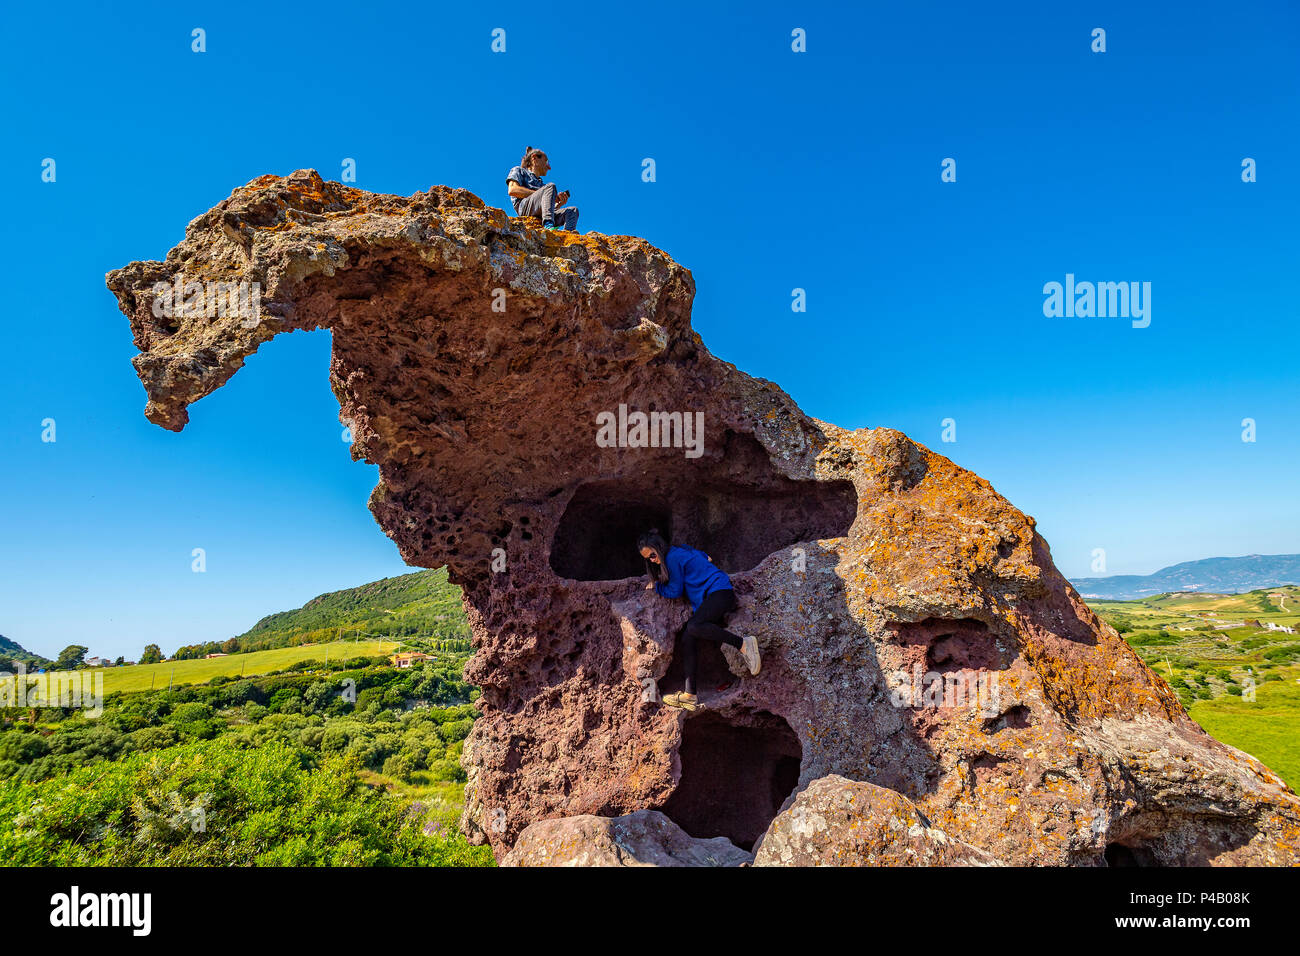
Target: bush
[[241, 692], [22, 746], [262, 807], [195, 721], [449, 770], [456, 730], [150, 738], [401, 766], [286, 700]]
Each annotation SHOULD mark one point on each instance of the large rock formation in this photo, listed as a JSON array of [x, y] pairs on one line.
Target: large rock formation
[[916, 636]]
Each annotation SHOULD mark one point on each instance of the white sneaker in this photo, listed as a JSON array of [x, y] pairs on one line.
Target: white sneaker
[[749, 651]]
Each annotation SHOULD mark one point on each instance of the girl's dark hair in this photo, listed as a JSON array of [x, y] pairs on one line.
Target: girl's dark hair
[[653, 539], [529, 152]]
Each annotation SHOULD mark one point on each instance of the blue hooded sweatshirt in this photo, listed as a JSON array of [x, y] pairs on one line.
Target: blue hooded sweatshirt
[[692, 572]]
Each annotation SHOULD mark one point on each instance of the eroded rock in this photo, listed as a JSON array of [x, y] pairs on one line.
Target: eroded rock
[[839, 822], [643, 838], [474, 355]]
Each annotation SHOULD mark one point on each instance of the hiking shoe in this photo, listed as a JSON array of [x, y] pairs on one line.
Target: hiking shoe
[[749, 651], [548, 225], [682, 700]]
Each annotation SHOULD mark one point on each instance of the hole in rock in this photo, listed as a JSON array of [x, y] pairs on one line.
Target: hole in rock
[[1013, 718], [733, 505], [1122, 854], [735, 776], [596, 540], [950, 645]]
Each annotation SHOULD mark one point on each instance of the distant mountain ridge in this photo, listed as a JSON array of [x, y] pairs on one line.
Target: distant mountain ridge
[[1211, 575]]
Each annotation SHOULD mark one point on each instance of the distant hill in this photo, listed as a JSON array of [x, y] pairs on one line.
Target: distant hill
[[1214, 575], [13, 651], [423, 606]]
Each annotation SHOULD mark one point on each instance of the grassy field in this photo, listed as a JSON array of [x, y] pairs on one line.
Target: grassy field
[[1214, 649], [1281, 605], [1265, 729], [156, 676]]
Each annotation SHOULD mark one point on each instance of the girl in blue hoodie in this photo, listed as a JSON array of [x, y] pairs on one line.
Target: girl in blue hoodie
[[676, 571]]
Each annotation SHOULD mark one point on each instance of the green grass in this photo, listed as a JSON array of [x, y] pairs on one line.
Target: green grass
[[1204, 667], [156, 676], [1265, 729]]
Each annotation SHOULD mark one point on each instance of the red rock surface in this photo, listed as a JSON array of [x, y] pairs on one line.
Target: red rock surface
[[857, 555], [839, 822], [643, 838]]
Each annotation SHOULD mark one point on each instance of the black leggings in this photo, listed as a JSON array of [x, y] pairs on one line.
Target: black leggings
[[706, 623]]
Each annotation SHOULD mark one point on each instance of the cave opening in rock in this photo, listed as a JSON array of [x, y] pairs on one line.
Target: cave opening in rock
[[735, 775], [734, 505], [596, 540], [1129, 854]]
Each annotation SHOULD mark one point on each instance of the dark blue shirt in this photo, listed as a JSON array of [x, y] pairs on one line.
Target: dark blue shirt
[[525, 178], [690, 572]]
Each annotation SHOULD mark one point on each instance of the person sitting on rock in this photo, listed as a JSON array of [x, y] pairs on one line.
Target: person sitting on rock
[[679, 570], [534, 197]]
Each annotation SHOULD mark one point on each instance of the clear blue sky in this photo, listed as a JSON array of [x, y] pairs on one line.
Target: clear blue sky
[[776, 170]]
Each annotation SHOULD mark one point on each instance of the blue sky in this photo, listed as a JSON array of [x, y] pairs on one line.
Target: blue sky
[[775, 170]]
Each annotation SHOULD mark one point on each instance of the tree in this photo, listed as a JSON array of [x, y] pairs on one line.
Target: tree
[[72, 656], [231, 646], [152, 654]]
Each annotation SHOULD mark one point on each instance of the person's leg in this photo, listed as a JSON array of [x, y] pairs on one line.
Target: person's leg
[[567, 218], [686, 646], [705, 624], [540, 204]]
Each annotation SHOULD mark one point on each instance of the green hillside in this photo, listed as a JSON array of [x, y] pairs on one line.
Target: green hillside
[[420, 609], [13, 651], [1229, 660]]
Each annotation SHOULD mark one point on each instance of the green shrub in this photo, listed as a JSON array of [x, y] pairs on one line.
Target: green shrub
[[446, 769], [207, 804]]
